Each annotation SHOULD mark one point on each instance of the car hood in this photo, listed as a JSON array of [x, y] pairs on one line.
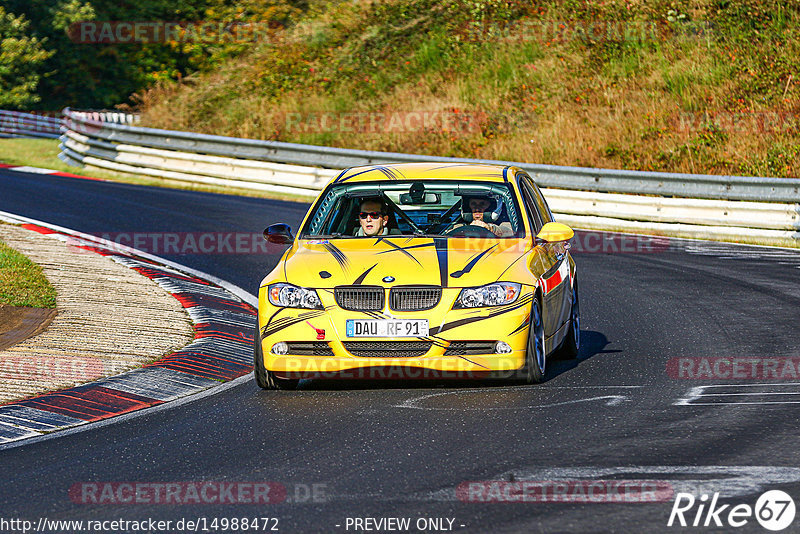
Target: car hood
[[449, 262]]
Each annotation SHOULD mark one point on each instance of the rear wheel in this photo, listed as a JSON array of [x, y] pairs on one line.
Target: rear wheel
[[264, 378], [572, 341], [535, 357]]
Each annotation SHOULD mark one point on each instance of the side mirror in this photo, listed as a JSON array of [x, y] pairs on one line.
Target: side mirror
[[279, 234], [554, 232]]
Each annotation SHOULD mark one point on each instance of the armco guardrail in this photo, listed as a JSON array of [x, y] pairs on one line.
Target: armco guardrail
[[19, 124], [726, 207], [606, 180]]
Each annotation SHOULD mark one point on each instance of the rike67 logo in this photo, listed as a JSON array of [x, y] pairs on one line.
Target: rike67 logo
[[774, 510]]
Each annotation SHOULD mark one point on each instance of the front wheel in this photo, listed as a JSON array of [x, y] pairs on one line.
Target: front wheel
[[535, 357], [264, 378]]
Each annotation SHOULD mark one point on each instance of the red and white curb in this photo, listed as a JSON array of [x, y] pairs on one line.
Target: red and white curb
[[224, 318], [39, 170]]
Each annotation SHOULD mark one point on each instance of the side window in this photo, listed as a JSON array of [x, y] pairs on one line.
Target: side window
[[528, 196], [544, 209]]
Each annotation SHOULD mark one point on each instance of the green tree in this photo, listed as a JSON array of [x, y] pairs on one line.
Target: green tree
[[103, 75], [21, 58]]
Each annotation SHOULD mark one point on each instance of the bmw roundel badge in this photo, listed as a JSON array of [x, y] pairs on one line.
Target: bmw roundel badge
[[388, 279]]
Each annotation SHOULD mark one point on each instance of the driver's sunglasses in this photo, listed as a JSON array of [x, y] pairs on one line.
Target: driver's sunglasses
[[373, 214]]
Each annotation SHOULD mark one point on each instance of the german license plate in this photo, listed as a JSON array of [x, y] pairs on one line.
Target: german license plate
[[387, 327]]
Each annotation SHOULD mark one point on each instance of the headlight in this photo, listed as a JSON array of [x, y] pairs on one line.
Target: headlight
[[488, 295], [289, 296]]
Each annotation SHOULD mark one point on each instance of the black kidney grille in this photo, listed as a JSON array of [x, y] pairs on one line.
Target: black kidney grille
[[414, 298], [359, 298], [387, 349]]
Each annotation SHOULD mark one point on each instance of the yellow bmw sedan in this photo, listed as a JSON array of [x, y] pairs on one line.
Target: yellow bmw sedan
[[419, 270]]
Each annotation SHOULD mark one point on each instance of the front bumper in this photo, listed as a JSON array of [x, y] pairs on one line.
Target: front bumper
[[477, 330]]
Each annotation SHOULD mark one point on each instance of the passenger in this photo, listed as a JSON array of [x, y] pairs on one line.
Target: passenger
[[479, 205]]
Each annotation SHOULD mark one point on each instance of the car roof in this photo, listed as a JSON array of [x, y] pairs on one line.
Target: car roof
[[426, 171]]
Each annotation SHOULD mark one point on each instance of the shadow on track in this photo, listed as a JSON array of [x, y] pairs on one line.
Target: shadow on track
[[592, 344]]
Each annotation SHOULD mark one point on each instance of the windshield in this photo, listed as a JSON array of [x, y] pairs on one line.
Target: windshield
[[416, 208]]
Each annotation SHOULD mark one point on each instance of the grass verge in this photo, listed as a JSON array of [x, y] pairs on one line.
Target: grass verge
[[22, 282], [661, 85]]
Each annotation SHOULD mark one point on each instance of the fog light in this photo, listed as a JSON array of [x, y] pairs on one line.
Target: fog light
[[280, 348], [501, 347]]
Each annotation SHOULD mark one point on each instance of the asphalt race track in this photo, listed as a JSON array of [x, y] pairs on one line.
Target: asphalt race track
[[388, 449]]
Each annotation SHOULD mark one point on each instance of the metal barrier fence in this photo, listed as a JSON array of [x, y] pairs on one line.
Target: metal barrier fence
[[706, 206], [19, 124]]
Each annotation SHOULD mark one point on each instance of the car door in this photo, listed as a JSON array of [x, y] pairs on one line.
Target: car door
[[556, 294]]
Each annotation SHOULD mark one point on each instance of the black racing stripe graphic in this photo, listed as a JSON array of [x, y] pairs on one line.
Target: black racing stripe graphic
[[337, 254], [435, 342], [292, 321], [269, 322], [520, 327], [362, 276], [441, 255], [273, 321], [340, 176], [278, 323], [461, 322], [468, 267], [451, 166], [391, 172], [474, 363], [398, 248], [510, 265]]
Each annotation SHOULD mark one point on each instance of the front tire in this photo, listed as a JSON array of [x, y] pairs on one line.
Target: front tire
[[535, 357], [264, 378]]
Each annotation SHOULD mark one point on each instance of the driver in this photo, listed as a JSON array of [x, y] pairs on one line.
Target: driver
[[373, 218], [478, 206]]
